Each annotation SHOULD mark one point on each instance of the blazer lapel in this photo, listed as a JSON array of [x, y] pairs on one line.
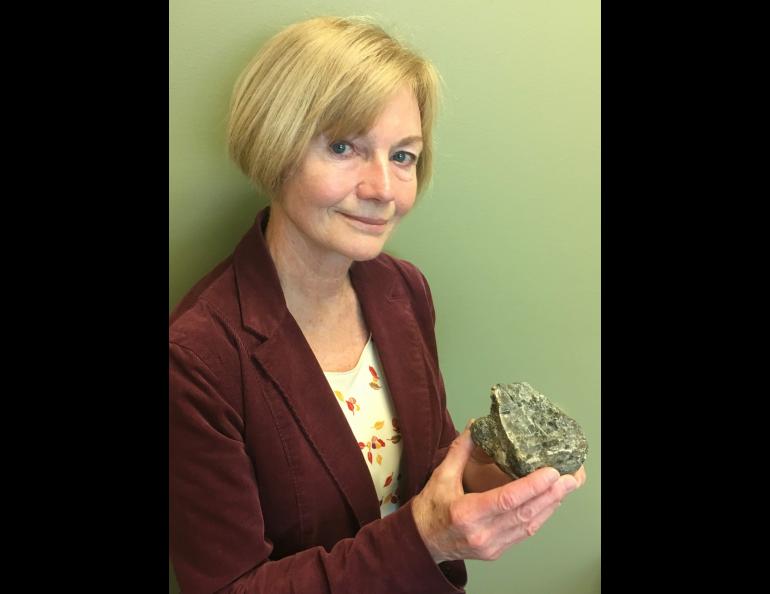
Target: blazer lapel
[[290, 362], [391, 320]]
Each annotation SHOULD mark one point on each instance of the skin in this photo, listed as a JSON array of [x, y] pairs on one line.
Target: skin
[[341, 205], [495, 512], [348, 195]]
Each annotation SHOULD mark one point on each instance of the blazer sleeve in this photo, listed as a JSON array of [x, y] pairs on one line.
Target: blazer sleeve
[[217, 532]]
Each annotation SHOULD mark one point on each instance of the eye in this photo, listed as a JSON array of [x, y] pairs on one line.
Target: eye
[[404, 157], [340, 147]]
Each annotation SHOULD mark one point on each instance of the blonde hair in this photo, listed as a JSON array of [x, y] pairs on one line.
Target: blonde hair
[[327, 75]]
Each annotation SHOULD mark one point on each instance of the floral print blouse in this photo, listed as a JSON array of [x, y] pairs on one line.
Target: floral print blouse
[[362, 394]]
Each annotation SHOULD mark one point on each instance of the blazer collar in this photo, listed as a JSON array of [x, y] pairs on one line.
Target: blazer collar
[[286, 357]]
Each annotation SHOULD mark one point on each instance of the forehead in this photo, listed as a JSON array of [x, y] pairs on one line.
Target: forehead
[[398, 115], [400, 110]]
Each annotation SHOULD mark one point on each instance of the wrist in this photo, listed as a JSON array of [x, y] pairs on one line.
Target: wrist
[[424, 523]]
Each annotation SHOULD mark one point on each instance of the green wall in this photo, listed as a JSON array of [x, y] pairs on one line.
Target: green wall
[[508, 235]]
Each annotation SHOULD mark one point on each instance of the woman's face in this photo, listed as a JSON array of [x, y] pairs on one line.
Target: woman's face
[[348, 194]]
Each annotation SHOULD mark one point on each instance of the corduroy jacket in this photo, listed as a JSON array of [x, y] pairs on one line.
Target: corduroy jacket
[[268, 489]]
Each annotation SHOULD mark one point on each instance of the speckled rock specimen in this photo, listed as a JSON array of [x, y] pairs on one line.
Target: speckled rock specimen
[[525, 431]]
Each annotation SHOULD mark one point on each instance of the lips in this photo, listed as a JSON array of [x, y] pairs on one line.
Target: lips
[[365, 220]]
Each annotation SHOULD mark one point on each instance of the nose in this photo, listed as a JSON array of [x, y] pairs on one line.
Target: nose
[[376, 182]]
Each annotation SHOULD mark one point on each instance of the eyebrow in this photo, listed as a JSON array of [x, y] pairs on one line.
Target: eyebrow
[[409, 140]]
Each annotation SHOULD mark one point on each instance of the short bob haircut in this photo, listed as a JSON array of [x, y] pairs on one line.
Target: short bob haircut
[[327, 75]]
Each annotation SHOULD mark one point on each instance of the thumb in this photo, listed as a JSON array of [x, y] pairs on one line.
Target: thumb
[[459, 453]]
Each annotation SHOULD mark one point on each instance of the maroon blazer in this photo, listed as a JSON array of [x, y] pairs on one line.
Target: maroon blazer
[[268, 488]]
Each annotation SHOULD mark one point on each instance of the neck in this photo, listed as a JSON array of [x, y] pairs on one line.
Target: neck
[[307, 274]]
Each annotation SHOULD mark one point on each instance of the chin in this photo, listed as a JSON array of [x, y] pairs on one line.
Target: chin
[[365, 250], [365, 257]]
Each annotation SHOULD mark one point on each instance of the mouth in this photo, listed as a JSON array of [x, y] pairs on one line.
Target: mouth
[[374, 226], [366, 220]]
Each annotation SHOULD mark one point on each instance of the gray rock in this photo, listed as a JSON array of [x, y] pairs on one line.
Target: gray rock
[[525, 431]]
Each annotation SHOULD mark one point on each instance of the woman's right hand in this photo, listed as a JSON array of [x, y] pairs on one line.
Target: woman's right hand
[[456, 525]]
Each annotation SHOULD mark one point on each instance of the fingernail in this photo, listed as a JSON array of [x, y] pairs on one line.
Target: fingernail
[[468, 424], [553, 475], [570, 484]]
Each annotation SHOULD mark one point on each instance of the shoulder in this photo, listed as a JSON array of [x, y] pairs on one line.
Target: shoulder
[[216, 288], [206, 319], [206, 351]]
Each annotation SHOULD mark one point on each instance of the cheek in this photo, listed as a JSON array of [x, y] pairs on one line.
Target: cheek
[[406, 199], [328, 189]]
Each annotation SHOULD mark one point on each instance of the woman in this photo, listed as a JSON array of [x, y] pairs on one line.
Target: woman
[[310, 445]]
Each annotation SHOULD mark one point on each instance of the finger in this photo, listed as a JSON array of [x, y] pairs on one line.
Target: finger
[[524, 531], [512, 495], [534, 507], [457, 456], [524, 521], [516, 532], [566, 484], [580, 476], [477, 453]]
